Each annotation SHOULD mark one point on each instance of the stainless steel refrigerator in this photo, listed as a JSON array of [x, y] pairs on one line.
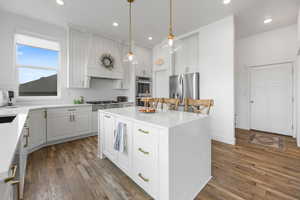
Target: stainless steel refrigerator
[[185, 86]]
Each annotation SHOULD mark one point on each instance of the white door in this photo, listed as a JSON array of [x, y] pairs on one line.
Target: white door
[[271, 98]]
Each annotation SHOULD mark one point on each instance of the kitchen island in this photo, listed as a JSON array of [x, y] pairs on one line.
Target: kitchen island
[[167, 153]]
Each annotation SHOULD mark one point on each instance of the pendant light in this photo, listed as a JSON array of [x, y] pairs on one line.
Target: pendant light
[[171, 36], [130, 57]]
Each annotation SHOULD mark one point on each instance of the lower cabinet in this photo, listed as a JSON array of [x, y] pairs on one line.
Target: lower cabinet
[[95, 122], [64, 123], [36, 128], [139, 161], [109, 126]]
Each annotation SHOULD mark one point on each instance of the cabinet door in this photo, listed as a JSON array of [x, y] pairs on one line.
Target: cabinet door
[[94, 122], [59, 126], [108, 129], [82, 122], [23, 157], [78, 58], [37, 128], [125, 158]]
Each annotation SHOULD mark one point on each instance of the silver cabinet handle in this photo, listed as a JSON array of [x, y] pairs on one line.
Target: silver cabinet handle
[[74, 118], [72, 110], [106, 116], [26, 137]]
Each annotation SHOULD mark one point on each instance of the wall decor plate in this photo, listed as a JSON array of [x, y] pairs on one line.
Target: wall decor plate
[[107, 61]]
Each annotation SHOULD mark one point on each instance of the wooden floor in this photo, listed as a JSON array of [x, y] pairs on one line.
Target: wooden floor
[[72, 171]]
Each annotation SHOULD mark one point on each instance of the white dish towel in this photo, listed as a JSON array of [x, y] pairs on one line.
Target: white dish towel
[[120, 138]]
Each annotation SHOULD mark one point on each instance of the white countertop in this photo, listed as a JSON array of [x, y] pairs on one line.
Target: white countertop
[[164, 119], [10, 133]]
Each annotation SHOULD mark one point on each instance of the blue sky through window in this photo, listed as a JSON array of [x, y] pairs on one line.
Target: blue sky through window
[[33, 56]]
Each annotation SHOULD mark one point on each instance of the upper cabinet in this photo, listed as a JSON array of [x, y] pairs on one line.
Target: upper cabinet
[[78, 53], [161, 58], [102, 46], [186, 55], [144, 66]]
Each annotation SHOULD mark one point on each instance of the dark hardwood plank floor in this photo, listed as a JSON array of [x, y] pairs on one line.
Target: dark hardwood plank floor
[[72, 171]]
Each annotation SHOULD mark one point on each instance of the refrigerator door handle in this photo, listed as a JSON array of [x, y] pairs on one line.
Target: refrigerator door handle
[[182, 87]]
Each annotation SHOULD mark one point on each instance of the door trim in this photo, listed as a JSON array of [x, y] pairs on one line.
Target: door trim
[[294, 113]]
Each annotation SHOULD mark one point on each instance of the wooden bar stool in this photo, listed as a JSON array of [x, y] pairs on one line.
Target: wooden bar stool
[[172, 104], [202, 106], [150, 102]]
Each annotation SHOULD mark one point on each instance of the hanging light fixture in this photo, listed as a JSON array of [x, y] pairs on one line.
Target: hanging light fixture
[[130, 57], [171, 36]]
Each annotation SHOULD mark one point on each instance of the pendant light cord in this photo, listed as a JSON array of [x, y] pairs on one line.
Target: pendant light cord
[[130, 28], [171, 18]]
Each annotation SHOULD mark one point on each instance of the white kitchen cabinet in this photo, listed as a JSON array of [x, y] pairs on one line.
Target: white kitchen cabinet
[[37, 128], [24, 149], [124, 159], [107, 127], [94, 122], [64, 123], [78, 52], [169, 159], [144, 66], [145, 144]]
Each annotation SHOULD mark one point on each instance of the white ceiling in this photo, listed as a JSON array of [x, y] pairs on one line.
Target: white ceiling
[[151, 16]]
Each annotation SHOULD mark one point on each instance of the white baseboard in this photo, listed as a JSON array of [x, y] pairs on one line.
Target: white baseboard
[[224, 139]]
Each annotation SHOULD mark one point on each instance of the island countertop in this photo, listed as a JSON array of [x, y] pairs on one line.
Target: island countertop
[[164, 119]]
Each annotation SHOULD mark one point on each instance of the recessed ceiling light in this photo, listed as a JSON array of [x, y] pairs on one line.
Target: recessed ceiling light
[[60, 2], [115, 24], [150, 38], [268, 20], [226, 1]]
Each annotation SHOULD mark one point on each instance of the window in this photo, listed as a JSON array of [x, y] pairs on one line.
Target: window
[[37, 62]]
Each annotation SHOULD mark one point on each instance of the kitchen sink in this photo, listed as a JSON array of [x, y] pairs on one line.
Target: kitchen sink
[[7, 119]]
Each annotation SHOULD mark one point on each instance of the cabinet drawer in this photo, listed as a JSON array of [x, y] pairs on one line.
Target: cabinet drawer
[[145, 175], [145, 157], [59, 111]]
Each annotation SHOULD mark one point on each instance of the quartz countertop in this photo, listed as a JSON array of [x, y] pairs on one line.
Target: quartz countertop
[[10, 133], [164, 119]]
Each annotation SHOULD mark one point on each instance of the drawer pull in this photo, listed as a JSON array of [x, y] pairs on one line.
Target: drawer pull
[[26, 137], [72, 110], [144, 152], [143, 131], [106, 116], [13, 176], [143, 178]]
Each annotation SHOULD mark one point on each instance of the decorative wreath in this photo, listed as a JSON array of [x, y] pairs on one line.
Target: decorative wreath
[[107, 61]]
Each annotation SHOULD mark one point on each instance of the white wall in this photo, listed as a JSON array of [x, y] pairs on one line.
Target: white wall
[[11, 24], [214, 59], [266, 48], [216, 67]]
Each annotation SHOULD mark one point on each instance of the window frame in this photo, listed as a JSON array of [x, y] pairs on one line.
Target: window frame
[[17, 67]]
